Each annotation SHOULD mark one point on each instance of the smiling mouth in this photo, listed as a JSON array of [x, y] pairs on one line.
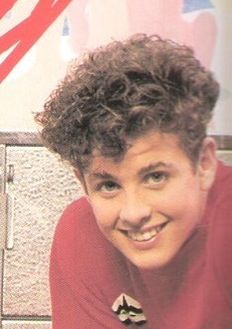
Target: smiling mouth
[[143, 236]]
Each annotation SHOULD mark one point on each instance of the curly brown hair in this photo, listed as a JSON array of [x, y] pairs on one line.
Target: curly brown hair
[[123, 90]]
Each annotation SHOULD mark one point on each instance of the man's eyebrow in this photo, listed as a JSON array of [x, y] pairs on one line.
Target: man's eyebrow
[[154, 166], [101, 175]]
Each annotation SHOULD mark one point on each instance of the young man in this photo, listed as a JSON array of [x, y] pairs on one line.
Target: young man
[[150, 244]]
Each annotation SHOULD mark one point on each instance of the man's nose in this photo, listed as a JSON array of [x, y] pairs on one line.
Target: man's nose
[[134, 210]]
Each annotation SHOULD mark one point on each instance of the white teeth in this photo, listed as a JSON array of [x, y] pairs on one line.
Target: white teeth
[[139, 236]]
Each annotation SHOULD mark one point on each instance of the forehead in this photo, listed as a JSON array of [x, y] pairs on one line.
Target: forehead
[[152, 147]]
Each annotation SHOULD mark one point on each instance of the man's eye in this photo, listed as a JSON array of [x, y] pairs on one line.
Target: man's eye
[[156, 178], [107, 186]]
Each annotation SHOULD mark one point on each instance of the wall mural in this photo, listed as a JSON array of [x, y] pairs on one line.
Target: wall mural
[[205, 25]]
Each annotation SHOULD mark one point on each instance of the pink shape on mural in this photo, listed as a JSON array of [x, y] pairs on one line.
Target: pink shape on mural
[[160, 17]]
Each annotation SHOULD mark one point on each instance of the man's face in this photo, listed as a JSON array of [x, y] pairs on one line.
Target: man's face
[[148, 204]]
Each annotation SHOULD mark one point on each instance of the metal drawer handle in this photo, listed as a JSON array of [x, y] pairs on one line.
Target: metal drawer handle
[[3, 220], [10, 174], [10, 223], [6, 221]]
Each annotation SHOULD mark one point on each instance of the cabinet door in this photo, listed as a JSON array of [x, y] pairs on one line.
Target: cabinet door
[[41, 187], [26, 325]]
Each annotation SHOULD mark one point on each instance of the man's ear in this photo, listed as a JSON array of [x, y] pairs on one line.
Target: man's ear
[[79, 175], [207, 163]]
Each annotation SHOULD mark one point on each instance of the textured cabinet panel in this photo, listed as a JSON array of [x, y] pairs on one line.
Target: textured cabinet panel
[[41, 188], [225, 156], [25, 325]]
